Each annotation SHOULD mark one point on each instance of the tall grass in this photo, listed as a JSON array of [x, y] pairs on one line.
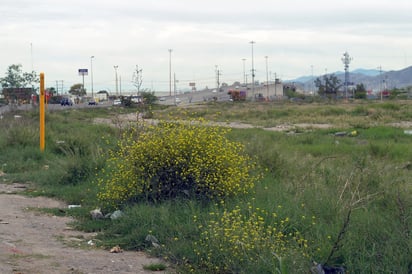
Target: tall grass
[[349, 197]]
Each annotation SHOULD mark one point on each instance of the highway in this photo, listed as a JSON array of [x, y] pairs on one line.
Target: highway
[[178, 99]]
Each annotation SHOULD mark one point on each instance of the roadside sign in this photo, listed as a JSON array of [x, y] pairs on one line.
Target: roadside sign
[[83, 72]]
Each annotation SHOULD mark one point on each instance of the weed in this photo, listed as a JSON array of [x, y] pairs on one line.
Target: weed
[[155, 267], [176, 159], [312, 178]]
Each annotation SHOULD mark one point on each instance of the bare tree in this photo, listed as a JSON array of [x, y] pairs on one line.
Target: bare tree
[[138, 79]]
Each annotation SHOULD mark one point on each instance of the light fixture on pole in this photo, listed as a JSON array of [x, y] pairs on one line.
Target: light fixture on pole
[[91, 73], [115, 72], [253, 71]]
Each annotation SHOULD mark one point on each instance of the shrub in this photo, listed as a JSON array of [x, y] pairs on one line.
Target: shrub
[[250, 241], [176, 159], [19, 131]]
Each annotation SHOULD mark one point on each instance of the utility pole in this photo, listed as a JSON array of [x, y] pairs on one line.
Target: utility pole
[[380, 81], [83, 90], [115, 75], [174, 88], [267, 78], [120, 85], [217, 78], [311, 81], [244, 72], [57, 87], [91, 73], [170, 72], [253, 72], [31, 56]]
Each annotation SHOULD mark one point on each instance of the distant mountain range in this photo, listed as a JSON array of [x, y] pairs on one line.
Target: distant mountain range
[[372, 79]]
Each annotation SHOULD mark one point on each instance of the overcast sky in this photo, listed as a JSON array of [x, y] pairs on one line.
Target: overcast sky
[[299, 37]]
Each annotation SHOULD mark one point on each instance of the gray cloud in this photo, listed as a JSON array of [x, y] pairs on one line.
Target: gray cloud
[[60, 36]]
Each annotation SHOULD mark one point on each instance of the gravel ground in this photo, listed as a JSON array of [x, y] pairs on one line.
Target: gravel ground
[[32, 242]]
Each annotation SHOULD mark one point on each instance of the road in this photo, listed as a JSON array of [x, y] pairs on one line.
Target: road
[[8, 108], [180, 99]]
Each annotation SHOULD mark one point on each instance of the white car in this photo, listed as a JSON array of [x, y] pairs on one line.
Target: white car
[[177, 100], [117, 102]]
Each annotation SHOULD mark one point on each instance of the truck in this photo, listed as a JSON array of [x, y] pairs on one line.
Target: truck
[[237, 95]]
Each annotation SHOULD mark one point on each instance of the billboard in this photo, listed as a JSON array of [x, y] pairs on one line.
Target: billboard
[[83, 72]]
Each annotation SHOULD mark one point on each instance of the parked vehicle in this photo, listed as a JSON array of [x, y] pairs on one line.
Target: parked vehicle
[[66, 102], [92, 103]]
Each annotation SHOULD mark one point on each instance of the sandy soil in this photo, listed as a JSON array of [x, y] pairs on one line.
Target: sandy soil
[[32, 242], [125, 119]]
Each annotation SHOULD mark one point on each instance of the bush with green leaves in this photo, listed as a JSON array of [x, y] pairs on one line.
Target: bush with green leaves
[[169, 160]]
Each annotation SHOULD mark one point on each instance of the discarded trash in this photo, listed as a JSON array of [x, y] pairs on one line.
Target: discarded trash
[[115, 215], [116, 249], [408, 132], [96, 214], [353, 133], [342, 133], [74, 206], [90, 242], [153, 240]]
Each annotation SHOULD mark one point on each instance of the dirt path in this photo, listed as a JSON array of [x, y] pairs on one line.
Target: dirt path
[[33, 242]]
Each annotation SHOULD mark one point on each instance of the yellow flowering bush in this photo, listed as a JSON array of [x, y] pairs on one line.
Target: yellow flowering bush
[[248, 241], [170, 159]]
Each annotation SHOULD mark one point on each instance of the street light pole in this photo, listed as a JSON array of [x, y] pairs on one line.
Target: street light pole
[[115, 72], [267, 78], [91, 73], [253, 71]]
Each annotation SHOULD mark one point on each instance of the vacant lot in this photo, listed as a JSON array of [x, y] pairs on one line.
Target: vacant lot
[[35, 242], [338, 174]]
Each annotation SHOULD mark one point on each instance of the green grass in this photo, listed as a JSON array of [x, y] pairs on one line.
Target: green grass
[[348, 196], [155, 267]]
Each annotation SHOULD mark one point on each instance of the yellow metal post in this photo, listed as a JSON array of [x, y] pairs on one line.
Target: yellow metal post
[[42, 115]]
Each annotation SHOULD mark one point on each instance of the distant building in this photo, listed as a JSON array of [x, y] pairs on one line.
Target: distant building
[[260, 92], [267, 91], [18, 95], [102, 96]]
